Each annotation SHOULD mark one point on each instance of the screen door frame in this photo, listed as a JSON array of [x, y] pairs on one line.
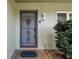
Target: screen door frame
[[36, 25]]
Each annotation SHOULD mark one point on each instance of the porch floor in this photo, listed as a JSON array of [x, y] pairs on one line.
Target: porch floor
[[41, 54]]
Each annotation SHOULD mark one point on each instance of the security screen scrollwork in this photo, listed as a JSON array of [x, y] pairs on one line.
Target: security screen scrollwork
[[28, 30], [28, 21]]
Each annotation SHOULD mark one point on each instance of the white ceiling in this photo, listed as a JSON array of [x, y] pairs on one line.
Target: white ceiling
[[44, 1]]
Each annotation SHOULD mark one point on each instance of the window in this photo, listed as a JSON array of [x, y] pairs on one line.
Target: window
[[63, 16], [70, 16]]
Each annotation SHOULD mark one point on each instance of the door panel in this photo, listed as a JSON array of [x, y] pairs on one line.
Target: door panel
[[28, 29]]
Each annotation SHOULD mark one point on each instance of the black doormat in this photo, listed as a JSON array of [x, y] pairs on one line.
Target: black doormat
[[28, 54]]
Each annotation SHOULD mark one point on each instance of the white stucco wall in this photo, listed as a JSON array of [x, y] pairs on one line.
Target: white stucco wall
[[45, 29], [11, 28]]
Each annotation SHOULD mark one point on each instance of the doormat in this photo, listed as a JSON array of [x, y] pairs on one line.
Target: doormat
[[28, 54]]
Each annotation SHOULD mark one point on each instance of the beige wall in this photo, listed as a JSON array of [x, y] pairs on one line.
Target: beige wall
[[11, 28], [45, 29]]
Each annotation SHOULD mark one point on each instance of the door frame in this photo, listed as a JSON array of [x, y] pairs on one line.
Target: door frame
[[36, 24]]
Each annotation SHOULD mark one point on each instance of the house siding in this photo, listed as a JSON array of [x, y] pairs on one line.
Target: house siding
[[11, 28], [45, 29]]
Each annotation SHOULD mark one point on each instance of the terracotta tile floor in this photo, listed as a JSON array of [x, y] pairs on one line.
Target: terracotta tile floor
[[40, 55]]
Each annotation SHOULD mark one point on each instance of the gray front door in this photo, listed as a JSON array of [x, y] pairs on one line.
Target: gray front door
[[28, 29]]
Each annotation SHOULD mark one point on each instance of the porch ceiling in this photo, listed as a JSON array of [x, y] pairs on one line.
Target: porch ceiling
[[44, 1]]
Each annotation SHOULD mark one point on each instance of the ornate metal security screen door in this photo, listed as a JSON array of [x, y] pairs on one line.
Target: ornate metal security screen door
[[28, 29]]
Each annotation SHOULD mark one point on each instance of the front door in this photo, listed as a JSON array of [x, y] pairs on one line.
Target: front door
[[28, 29]]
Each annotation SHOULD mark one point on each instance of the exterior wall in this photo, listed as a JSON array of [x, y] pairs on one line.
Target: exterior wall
[[45, 29], [11, 29]]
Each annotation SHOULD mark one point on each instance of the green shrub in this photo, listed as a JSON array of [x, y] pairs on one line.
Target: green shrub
[[64, 38]]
